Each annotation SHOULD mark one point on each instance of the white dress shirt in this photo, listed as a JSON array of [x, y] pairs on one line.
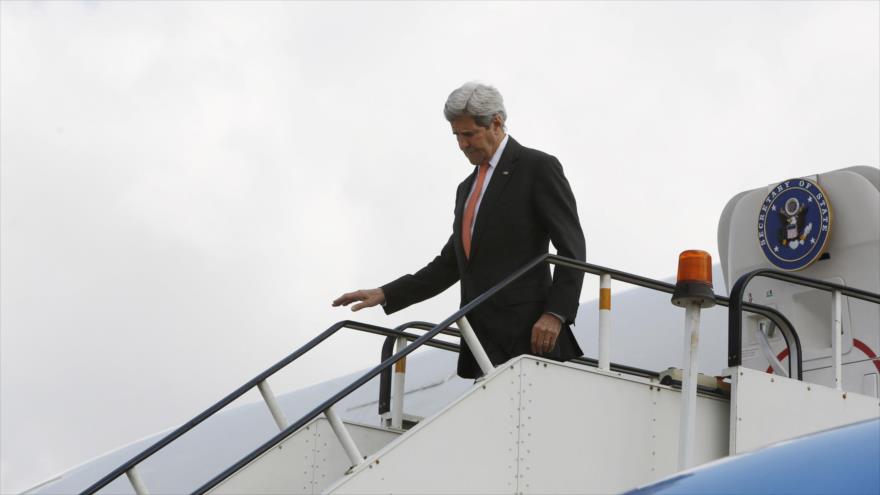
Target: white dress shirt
[[492, 163]]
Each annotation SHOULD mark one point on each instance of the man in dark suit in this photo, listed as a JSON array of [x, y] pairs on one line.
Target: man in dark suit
[[507, 211]]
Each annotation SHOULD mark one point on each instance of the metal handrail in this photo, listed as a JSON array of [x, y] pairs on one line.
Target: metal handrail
[[167, 439], [788, 331], [734, 325], [557, 260]]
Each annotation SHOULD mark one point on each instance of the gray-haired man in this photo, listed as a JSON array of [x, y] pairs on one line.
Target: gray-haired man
[[507, 211]]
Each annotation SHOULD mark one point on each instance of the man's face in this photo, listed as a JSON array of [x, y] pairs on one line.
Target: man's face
[[477, 143]]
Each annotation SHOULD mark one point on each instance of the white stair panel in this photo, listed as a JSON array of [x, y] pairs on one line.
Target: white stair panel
[[305, 462], [771, 408], [589, 431], [469, 447], [537, 426]]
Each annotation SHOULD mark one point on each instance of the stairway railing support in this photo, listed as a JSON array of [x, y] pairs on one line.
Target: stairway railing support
[[605, 322], [354, 455], [473, 343], [272, 404], [399, 387], [136, 481]]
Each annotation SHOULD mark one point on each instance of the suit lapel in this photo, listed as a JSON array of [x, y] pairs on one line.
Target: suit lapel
[[500, 177]]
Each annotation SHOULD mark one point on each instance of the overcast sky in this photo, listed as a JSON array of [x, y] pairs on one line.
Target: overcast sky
[[187, 186]]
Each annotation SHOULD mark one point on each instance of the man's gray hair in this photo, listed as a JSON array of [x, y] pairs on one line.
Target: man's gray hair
[[481, 101]]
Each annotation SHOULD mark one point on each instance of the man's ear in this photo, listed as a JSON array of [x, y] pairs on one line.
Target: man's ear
[[497, 123]]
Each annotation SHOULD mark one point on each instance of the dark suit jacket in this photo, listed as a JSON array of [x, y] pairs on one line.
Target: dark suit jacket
[[527, 203]]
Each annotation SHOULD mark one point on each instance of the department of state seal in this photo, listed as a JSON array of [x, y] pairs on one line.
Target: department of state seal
[[794, 224]]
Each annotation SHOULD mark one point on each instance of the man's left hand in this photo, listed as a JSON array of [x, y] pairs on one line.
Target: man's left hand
[[545, 331]]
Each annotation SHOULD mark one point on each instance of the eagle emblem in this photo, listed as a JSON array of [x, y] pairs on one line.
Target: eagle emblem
[[792, 216], [794, 224]]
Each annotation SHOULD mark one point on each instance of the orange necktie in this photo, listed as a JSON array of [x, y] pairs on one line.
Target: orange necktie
[[468, 218]]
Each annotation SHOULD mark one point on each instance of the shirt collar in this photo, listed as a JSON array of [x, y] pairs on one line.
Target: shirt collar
[[497, 156]]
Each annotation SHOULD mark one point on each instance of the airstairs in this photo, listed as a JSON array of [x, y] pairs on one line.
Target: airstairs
[[530, 425]]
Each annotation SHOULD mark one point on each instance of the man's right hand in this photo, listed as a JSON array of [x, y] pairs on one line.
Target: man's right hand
[[367, 298]]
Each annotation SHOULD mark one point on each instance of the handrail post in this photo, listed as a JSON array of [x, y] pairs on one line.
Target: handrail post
[[136, 481], [354, 455], [605, 322], [687, 426], [473, 343], [399, 382], [272, 404], [836, 331]]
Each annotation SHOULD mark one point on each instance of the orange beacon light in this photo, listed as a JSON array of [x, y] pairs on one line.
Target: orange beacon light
[[694, 281]]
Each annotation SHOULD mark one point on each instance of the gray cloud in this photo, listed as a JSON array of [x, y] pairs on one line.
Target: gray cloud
[[186, 186]]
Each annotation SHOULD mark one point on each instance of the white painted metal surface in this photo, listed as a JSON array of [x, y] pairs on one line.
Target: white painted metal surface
[[604, 322], [473, 343], [348, 444], [136, 482], [836, 331], [768, 408], [272, 404], [688, 418], [537, 426], [869, 385], [306, 462], [585, 431]]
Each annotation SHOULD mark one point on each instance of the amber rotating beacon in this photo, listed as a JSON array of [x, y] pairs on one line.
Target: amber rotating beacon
[[693, 284]]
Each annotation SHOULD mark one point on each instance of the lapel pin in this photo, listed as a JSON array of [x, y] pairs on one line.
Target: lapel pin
[[504, 172]]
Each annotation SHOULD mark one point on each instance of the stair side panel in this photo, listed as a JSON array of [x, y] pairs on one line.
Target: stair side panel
[[469, 447], [771, 408], [587, 431], [305, 462], [544, 427], [287, 468]]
